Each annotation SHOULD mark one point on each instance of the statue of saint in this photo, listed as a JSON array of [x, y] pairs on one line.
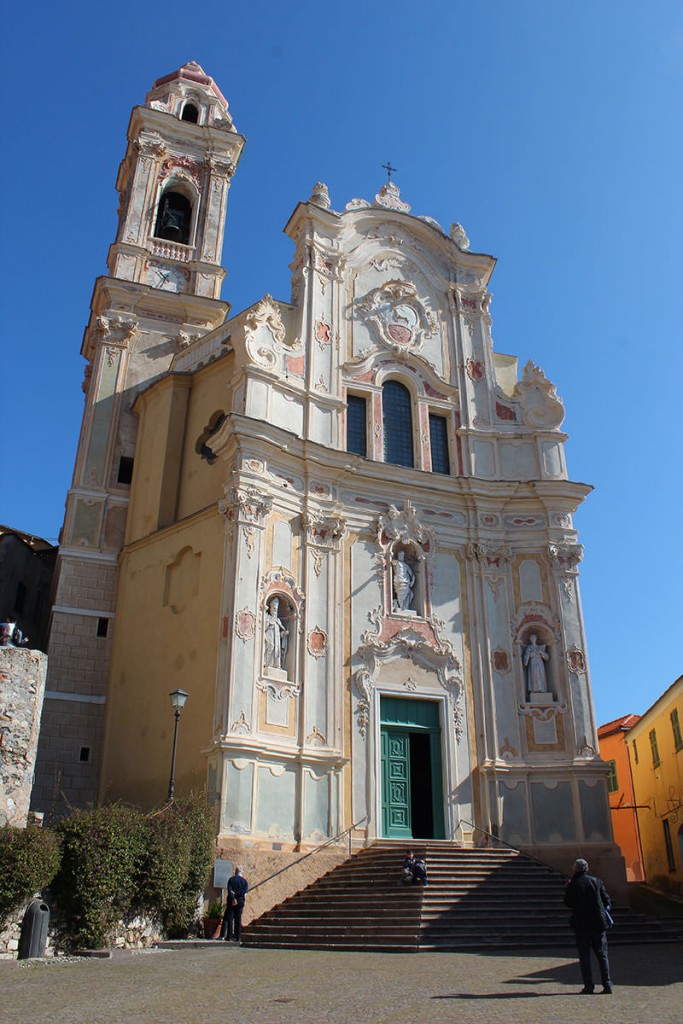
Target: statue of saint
[[403, 581], [534, 656], [275, 637]]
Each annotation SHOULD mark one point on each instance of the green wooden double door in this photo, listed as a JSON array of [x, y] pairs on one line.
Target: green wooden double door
[[412, 784]]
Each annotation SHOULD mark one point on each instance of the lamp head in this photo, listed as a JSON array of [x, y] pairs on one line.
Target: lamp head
[[178, 698]]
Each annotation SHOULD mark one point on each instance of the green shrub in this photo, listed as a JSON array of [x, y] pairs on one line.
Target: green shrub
[[29, 860], [179, 855], [214, 910], [102, 853]]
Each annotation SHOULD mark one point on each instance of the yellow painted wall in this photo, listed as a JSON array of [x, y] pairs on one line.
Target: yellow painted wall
[[660, 786], [202, 482], [166, 636]]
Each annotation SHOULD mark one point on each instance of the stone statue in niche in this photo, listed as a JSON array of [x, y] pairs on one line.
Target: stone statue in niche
[[533, 658], [403, 580], [276, 637]]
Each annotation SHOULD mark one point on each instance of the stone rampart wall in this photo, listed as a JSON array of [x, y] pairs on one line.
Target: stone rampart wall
[[22, 688]]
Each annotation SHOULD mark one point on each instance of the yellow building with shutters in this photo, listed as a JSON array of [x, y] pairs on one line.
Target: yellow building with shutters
[[655, 746]]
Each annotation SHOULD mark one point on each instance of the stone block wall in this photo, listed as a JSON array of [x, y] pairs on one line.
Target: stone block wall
[[22, 688]]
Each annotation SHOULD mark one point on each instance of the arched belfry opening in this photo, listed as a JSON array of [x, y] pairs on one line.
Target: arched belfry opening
[[190, 113], [174, 218]]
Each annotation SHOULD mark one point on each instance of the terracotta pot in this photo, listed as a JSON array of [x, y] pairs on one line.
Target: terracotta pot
[[212, 927]]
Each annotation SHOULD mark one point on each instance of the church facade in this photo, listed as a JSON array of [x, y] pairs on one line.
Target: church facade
[[343, 524]]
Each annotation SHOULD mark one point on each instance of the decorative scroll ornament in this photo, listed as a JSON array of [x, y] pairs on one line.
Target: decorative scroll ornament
[[389, 197], [150, 144], [315, 738], [566, 557], [402, 525], [241, 725], [320, 195], [116, 330], [459, 236], [541, 406], [278, 689], [489, 557], [245, 505], [399, 318], [267, 314], [437, 657], [183, 167], [321, 530]]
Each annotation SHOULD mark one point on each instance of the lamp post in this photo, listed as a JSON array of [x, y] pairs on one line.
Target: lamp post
[[178, 698]]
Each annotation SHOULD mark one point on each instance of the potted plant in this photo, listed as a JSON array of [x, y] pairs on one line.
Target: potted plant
[[212, 919]]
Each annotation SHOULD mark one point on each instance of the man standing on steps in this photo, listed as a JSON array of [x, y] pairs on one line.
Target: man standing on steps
[[589, 903], [232, 917]]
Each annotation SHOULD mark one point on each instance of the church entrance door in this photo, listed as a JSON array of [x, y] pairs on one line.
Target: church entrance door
[[412, 787]]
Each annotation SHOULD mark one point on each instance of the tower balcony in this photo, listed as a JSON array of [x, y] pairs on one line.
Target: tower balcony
[[172, 250]]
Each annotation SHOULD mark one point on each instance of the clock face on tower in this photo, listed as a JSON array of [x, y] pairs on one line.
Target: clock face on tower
[[171, 279]]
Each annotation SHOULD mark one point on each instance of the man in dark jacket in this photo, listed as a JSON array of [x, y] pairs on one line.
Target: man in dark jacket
[[232, 917], [589, 903]]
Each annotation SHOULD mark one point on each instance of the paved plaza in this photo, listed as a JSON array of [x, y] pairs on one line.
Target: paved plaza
[[251, 986]]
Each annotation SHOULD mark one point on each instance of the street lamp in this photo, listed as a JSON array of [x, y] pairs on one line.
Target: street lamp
[[178, 698]]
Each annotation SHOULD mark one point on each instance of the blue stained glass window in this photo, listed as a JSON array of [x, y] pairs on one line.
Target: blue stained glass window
[[356, 430], [438, 436], [398, 424]]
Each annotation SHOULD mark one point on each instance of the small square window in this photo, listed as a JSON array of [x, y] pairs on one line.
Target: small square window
[[84, 755], [102, 627], [125, 474]]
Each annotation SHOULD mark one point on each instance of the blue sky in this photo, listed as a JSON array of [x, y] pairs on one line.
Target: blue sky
[[551, 131]]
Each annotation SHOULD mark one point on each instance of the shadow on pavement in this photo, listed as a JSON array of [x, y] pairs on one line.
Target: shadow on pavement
[[501, 995], [646, 965]]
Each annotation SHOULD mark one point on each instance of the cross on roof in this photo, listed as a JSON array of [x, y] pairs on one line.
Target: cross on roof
[[389, 169]]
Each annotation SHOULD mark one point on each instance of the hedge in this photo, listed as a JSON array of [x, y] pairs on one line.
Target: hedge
[[117, 861], [29, 860]]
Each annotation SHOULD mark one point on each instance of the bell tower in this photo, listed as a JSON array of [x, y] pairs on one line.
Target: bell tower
[[162, 293]]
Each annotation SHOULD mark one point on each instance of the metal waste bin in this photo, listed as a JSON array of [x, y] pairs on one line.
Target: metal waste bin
[[33, 938]]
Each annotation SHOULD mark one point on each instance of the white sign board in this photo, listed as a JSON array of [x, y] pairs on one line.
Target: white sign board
[[222, 871]]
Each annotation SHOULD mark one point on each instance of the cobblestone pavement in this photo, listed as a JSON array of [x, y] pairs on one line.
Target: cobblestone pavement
[[250, 986]]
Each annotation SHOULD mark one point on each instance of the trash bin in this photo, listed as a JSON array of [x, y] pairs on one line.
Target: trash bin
[[33, 938]]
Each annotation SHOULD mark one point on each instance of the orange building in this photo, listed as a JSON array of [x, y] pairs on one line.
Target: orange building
[[613, 750]]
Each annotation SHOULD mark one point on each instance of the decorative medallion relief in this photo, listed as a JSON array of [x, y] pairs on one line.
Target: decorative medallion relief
[[245, 625], [576, 661], [400, 320], [500, 661], [315, 738], [317, 642], [475, 370]]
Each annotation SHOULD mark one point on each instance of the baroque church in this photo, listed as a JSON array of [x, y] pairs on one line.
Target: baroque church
[[341, 523]]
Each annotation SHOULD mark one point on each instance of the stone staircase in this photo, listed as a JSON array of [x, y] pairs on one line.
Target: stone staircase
[[476, 899]]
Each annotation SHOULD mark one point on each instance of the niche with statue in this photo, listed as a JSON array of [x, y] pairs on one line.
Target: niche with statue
[[279, 638], [406, 580], [537, 652]]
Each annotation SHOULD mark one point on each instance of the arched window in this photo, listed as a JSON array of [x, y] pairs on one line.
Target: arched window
[[398, 424], [174, 218], [190, 113]]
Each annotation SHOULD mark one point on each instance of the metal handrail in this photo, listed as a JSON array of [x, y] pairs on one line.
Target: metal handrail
[[515, 849], [310, 853]]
